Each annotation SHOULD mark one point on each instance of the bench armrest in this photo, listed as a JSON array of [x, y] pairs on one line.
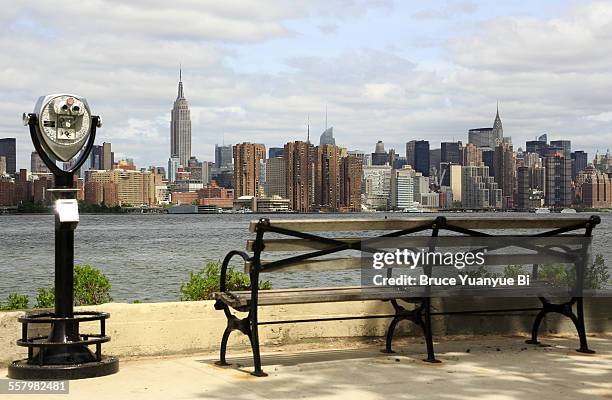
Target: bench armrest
[[222, 281]]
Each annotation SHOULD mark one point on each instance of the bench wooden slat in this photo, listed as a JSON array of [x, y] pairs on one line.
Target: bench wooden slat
[[346, 263], [298, 244], [241, 299], [271, 245], [330, 225]]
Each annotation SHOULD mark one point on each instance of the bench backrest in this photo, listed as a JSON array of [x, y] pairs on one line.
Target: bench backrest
[[305, 247]]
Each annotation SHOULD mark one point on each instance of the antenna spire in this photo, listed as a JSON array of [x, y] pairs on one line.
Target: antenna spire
[[308, 129], [180, 95]]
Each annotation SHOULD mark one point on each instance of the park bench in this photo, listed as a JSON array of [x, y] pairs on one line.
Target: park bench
[[303, 247]]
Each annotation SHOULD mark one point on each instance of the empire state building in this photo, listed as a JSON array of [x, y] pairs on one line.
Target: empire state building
[[180, 127]]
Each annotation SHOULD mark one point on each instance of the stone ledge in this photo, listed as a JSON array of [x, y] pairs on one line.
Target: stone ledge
[[161, 329]]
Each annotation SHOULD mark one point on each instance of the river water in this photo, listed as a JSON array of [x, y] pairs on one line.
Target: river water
[[147, 257]]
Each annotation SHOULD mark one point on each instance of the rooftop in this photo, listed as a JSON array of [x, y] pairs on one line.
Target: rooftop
[[491, 367]]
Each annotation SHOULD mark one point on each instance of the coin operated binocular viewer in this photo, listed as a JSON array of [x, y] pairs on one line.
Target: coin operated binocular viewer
[[63, 131]]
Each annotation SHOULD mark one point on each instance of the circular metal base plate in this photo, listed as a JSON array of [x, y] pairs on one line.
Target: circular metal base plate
[[20, 369]]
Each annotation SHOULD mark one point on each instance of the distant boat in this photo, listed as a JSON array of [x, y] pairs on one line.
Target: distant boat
[[411, 210], [568, 211], [542, 210]]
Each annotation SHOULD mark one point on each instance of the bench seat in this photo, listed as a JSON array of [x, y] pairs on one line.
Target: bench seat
[[240, 300]]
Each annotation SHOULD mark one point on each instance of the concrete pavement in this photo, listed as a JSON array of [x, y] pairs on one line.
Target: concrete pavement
[[490, 367]]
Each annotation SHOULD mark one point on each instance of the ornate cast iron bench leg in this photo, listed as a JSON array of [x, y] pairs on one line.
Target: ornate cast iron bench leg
[[565, 309], [415, 316]]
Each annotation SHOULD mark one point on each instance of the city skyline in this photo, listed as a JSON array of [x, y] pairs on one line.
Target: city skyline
[[394, 70]]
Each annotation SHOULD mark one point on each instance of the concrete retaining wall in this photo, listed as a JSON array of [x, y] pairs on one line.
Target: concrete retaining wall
[[158, 329]]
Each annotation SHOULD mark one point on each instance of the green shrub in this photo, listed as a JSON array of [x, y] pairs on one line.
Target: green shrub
[[45, 298], [596, 275], [15, 301], [204, 283], [91, 287]]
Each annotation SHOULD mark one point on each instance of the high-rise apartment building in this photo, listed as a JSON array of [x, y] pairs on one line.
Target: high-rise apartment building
[[471, 155], [180, 127], [421, 186], [276, 177], [478, 189], [594, 188], [377, 186], [132, 187], [558, 185], [327, 177], [299, 164], [248, 159], [456, 179], [351, 170], [8, 150], [402, 188], [530, 187]]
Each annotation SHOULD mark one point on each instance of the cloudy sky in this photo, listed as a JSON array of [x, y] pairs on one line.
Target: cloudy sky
[[254, 70]]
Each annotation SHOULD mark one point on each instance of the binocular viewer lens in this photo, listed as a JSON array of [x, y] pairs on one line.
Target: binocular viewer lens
[[74, 108]]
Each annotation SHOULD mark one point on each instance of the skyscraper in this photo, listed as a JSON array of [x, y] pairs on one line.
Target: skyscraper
[[327, 137], [417, 155], [299, 160], [107, 157], [8, 150], [481, 137], [505, 167], [579, 162], [478, 189], [498, 130], [180, 127], [487, 137], [351, 169], [223, 156], [451, 152], [558, 185], [380, 156], [327, 177], [247, 169], [564, 145], [276, 177], [402, 188]]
